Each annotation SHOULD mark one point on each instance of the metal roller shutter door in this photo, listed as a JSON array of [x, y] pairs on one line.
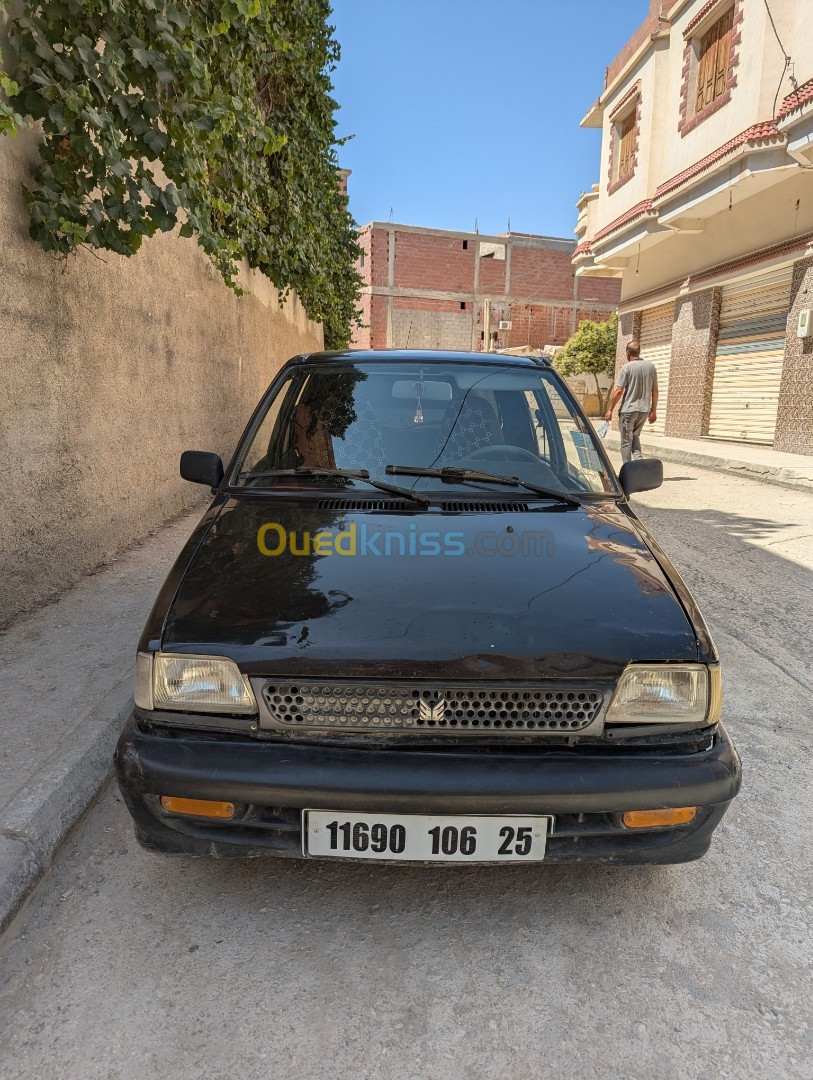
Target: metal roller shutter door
[[750, 352], [656, 346]]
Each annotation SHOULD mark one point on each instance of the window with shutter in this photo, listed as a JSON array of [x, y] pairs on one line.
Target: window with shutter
[[626, 144], [712, 64]]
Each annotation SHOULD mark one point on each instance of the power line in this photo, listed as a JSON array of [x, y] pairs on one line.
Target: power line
[[776, 34], [788, 67]]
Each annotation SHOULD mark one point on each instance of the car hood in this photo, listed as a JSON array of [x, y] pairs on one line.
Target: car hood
[[586, 598]]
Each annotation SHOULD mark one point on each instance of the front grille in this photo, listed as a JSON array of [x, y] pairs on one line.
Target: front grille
[[473, 709]]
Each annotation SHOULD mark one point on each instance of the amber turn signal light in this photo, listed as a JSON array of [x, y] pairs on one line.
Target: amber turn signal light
[[649, 819], [197, 807]]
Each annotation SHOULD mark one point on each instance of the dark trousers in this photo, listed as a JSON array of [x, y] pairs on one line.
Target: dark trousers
[[631, 426]]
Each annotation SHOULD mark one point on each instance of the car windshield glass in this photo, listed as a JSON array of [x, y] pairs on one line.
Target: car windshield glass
[[508, 420]]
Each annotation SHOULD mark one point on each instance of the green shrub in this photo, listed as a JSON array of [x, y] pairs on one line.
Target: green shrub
[[215, 116]]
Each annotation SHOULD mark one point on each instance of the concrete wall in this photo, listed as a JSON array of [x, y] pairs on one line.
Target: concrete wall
[[109, 368], [413, 328], [583, 388]]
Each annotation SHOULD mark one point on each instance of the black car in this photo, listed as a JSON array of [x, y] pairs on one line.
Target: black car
[[420, 621]]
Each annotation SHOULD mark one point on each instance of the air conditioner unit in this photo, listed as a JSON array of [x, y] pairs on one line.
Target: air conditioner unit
[[505, 324]]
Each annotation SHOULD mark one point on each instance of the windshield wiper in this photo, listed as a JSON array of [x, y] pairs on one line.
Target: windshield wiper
[[344, 474], [450, 474]]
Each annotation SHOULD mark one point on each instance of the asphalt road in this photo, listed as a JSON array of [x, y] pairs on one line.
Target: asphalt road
[[131, 965]]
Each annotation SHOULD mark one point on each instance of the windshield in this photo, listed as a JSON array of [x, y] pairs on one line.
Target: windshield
[[506, 420]]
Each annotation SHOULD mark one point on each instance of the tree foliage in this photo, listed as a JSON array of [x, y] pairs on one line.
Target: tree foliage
[[216, 116], [591, 351]]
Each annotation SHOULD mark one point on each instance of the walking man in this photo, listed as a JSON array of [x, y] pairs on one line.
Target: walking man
[[637, 384]]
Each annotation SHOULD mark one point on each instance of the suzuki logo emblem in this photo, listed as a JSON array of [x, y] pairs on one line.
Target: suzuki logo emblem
[[436, 712]]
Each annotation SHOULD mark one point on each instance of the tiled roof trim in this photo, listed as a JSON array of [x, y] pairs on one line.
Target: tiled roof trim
[[630, 94], [764, 133], [796, 100], [700, 16], [757, 133], [640, 209]]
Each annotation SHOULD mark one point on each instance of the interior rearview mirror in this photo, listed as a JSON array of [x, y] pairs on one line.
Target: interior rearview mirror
[[201, 467], [428, 390], [642, 474]]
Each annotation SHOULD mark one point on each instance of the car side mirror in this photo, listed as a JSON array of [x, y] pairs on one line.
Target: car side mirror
[[201, 467], [641, 474]]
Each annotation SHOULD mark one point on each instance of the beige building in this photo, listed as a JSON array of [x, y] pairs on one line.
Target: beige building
[[704, 210]]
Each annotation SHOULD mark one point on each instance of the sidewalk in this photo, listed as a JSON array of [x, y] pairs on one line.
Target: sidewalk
[[67, 688], [755, 462]]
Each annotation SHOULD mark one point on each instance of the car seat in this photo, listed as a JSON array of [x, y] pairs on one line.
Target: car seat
[[468, 427], [363, 446]]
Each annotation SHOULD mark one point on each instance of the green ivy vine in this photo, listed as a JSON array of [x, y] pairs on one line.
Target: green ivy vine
[[213, 116]]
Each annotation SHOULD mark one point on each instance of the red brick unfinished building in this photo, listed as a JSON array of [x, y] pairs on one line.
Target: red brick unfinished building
[[426, 288]]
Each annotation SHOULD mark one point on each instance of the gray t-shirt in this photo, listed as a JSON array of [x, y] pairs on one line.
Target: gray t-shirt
[[639, 378]]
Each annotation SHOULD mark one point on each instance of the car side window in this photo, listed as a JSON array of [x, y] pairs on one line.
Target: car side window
[[257, 455], [582, 462], [543, 447]]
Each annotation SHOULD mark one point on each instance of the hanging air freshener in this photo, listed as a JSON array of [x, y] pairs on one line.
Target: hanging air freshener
[[418, 417]]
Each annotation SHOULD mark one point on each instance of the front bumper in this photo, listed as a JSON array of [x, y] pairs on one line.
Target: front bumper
[[586, 790]]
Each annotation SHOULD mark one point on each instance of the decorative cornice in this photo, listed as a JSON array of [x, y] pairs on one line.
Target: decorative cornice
[[756, 135], [640, 210], [800, 96], [630, 94], [705, 10]]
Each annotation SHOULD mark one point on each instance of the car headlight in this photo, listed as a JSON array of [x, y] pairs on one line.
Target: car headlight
[[667, 694], [192, 684]]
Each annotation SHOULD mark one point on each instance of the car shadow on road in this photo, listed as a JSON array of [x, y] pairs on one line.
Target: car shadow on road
[[563, 893], [444, 909], [739, 526], [751, 576]]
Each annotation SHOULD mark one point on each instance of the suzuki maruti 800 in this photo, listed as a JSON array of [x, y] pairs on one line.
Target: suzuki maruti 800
[[420, 621]]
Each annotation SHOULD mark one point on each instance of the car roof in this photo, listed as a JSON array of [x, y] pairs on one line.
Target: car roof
[[425, 356]]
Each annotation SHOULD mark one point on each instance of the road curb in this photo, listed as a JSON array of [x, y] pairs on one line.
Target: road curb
[[42, 815], [767, 474]]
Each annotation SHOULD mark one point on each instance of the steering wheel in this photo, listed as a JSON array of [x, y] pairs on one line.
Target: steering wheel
[[502, 452]]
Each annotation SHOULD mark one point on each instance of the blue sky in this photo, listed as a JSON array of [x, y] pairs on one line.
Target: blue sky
[[463, 109]]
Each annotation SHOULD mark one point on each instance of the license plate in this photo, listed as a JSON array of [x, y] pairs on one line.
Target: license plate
[[421, 838]]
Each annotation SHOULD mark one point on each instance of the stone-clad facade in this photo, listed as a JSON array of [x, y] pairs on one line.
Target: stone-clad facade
[[794, 424], [694, 340]]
